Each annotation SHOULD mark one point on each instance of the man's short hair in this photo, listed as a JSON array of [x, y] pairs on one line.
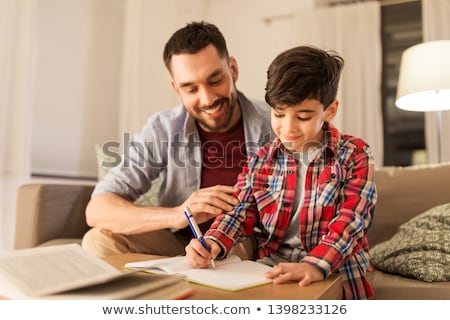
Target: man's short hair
[[192, 38]]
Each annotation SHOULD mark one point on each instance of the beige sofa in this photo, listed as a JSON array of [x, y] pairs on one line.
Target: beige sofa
[[51, 214], [403, 193]]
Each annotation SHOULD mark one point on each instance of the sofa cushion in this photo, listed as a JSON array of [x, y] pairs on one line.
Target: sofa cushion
[[420, 249]]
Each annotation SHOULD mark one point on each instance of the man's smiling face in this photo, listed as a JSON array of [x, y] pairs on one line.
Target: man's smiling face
[[205, 83]]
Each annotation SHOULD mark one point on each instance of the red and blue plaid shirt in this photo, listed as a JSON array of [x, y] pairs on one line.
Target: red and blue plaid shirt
[[339, 201]]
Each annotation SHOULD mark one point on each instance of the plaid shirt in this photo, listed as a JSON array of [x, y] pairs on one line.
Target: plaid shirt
[[339, 200]]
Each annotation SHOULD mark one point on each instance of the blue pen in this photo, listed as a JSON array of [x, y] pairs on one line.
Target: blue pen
[[197, 232]]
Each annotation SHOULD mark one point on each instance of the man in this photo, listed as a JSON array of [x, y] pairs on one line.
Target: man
[[197, 149]]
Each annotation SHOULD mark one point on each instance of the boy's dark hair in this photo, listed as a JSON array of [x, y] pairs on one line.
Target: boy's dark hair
[[192, 38], [301, 73]]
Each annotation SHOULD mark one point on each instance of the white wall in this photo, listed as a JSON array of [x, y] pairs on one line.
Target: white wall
[[76, 83], [81, 62], [253, 41], [145, 87], [81, 68]]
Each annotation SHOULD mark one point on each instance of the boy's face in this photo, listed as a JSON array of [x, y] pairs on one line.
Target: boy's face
[[205, 83], [301, 124]]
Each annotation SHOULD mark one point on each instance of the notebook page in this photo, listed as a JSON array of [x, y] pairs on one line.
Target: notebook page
[[173, 265], [231, 276]]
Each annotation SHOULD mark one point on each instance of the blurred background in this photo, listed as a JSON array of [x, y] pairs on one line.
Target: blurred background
[[79, 73]]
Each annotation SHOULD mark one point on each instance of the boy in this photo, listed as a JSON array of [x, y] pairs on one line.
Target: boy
[[308, 197]]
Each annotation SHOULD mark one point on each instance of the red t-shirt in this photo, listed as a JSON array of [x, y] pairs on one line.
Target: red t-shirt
[[223, 155]]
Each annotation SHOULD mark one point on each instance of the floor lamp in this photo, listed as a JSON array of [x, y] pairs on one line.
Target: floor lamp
[[424, 81]]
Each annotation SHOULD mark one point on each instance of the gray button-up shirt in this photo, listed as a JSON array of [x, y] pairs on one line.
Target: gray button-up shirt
[[169, 147]]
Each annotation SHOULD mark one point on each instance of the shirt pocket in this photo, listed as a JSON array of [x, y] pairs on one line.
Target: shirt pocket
[[330, 183], [267, 192]]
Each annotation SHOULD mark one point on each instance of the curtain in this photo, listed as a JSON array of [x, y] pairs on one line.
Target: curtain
[[145, 87], [354, 32], [16, 48], [436, 26], [130, 108]]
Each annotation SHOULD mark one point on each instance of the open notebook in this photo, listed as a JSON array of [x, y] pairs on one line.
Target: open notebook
[[232, 274]]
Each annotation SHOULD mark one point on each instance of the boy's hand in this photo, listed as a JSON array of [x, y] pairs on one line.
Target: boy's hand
[[198, 256], [303, 272]]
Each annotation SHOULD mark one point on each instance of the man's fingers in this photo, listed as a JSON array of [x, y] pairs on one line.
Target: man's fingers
[[223, 188], [207, 203], [223, 193], [204, 212], [212, 202]]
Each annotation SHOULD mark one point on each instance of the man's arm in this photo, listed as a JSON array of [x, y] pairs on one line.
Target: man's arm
[[112, 212]]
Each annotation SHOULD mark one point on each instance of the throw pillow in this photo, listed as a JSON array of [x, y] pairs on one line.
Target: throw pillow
[[147, 199], [420, 249]]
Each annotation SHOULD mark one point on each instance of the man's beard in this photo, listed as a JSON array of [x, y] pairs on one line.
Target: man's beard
[[231, 105]]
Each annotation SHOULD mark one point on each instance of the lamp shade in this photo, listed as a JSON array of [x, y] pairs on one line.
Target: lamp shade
[[424, 79]]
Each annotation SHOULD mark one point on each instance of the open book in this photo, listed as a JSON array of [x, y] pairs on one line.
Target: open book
[[231, 274], [70, 272]]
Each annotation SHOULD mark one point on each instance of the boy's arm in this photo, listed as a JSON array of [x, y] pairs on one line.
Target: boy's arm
[[229, 226], [347, 231]]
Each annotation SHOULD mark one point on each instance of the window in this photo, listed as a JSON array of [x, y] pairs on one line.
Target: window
[[403, 130]]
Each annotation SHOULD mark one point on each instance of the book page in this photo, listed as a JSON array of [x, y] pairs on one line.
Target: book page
[[44, 270]]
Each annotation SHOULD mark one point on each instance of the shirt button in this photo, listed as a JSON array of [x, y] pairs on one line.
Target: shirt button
[[333, 175], [266, 185], [289, 171]]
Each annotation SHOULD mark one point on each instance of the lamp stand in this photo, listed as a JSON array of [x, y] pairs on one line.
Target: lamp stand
[[439, 134]]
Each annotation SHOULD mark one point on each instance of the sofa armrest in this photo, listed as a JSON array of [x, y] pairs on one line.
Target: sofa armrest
[[49, 211]]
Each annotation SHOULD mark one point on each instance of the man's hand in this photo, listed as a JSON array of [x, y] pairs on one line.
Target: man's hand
[[209, 202], [198, 256], [303, 272]]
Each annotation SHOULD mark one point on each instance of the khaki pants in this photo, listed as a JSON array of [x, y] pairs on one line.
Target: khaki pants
[[162, 242]]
